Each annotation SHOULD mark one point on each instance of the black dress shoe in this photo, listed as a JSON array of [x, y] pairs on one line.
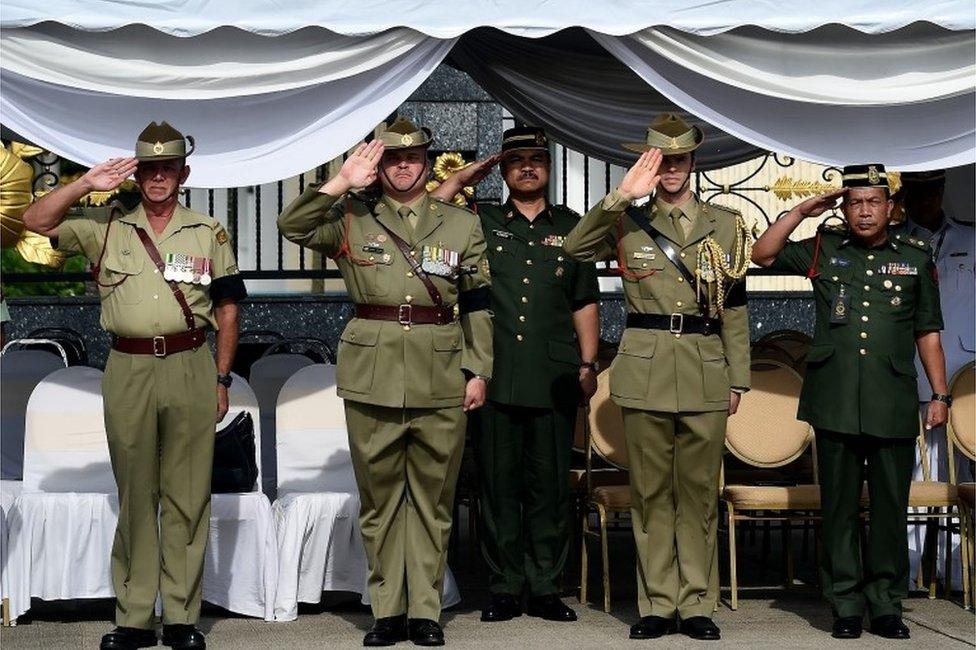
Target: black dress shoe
[[701, 628], [183, 637], [890, 627], [387, 631], [503, 607], [847, 627], [424, 631], [128, 638], [550, 608], [652, 627]]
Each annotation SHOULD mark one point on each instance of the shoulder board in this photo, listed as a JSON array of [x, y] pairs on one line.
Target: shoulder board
[[566, 210], [447, 204], [720, 207], [920, 244]]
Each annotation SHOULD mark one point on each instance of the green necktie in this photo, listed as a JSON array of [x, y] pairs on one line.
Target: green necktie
[[679, 228], [409, 218]]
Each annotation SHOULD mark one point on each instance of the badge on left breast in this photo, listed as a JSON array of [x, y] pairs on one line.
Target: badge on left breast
[[437, 260]]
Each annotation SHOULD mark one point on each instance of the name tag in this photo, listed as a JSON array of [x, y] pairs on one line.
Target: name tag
[[369, 248], [839, 261], [504, 234], [643, 256]]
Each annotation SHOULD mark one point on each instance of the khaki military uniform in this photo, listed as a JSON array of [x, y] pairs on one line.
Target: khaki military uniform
[[403, 384], [860, 395], [160, 412], [674, 392]]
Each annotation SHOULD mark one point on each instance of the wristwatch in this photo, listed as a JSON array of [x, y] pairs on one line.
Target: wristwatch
[[482, 378], [942, 397], [592, 365], [225, 380]]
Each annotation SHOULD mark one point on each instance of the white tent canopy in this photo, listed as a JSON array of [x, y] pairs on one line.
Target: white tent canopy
[[269, 92]]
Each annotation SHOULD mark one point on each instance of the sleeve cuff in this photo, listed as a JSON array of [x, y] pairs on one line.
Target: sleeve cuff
[[613, 202]]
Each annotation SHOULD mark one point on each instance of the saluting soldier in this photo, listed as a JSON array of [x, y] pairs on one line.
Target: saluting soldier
[[166, 275], [415, 358], [877, 301], [682, 364], [523, 436]]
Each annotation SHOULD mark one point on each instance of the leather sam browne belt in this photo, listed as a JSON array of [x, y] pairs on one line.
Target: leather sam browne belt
[[161, 346], [675, 323], [407, 314]]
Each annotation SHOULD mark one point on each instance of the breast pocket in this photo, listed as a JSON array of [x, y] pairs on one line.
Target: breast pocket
[[379, 275], [121, 274], [644, 273], [556, 265]]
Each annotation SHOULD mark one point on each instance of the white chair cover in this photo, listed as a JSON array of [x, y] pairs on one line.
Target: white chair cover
[[62, 525], [320, 547], [268, 375], [9, 491], [20, 372], [241, 564]]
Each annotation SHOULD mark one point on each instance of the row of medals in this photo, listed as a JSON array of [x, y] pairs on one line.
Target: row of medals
[[187, 268]]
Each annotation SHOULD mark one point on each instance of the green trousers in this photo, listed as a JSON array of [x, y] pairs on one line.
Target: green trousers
[[523, 463], [675, 461], [844, 462], [406, 463], [160, 416]]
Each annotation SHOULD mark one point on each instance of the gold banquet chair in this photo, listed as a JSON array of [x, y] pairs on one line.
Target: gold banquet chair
[[765, 433], [962, 436], [604, 434]]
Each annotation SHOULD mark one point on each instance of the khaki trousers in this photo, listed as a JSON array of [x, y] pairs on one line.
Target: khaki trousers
[[160, 416], [406, 462], [675, 461]]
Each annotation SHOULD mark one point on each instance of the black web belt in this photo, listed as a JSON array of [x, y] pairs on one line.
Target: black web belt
[[675, 323]]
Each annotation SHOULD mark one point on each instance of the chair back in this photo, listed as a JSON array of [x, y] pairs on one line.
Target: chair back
[[313, 444], [241, 399], [961, 428], [606, 423], [65, 448], [765, 432], [268, 375], [20, 372]]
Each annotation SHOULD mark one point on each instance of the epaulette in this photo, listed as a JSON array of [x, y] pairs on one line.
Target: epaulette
[[451, 204], [920, 244], [707, 206]]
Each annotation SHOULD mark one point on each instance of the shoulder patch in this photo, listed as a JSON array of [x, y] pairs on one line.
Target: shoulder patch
[[220, 235]]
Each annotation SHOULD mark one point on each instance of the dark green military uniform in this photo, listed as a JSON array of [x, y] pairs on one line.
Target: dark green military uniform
[[860, 396], [523, 435]]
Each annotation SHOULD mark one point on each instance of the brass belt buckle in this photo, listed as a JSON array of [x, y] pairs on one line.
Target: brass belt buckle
[[677, 329], [405, 314], [159, 346]]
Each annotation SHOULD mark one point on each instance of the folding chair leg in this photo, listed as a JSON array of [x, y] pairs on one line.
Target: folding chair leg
[[947, 582], [584, 556], [733, 569], [6, 612], [606, 558], [965, 528], [933, 548], [788, 552]]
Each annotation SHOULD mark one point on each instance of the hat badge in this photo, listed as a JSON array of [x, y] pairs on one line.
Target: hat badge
[[674, 143], [406, 140], [873, 176], [158, 148], [539, 140]]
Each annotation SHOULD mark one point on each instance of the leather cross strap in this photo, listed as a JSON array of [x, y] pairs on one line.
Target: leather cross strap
[[662, 242], [418, 270], [158, 261]]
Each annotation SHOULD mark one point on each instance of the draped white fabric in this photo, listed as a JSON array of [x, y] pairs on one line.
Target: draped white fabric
[[904, 136], [265, 108], [449, 20]]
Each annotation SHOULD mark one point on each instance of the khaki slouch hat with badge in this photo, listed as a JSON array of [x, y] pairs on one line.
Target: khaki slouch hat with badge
[[403, 134], [671, 134], [162, 142]]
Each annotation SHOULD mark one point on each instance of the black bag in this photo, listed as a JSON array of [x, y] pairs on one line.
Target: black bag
[[234, 466]]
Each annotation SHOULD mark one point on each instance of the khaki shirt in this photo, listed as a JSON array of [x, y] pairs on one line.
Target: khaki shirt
[[143, 305], [655, 370], [383, 362]]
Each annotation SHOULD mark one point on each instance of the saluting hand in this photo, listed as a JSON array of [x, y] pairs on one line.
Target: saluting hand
[[109, 174], [936, 414], [223, 403], [642, 178], [817, 205], [477, 171], [359, 170]]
